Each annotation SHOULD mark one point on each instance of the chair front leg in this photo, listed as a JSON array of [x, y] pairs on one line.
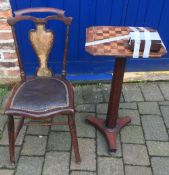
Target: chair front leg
[[72, 128], [11, 136]]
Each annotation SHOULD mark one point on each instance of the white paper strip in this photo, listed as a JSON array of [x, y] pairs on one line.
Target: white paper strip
[[137, 42], [148, 42], [154, 35], [107, 40]]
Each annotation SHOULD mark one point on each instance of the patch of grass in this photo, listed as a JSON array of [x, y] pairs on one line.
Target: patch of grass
[[3, 90]]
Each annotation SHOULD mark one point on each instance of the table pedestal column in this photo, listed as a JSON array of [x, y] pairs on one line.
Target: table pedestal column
[[112, 125]]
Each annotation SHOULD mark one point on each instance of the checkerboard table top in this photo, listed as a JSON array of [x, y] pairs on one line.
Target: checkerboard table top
[[119, 48]]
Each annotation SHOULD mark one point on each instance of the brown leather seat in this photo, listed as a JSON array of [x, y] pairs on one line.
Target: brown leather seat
[[41, 95]]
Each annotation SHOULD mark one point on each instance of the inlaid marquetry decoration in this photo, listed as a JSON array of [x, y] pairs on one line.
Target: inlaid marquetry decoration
[[42, 41]]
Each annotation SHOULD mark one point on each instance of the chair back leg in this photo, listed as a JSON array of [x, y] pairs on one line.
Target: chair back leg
[[11, 136], [75, 145]]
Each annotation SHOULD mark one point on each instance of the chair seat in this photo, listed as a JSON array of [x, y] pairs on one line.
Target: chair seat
[[40, 96]]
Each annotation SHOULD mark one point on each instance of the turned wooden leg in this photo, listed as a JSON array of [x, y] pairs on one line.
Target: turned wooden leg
[[11, 136], [19, 127], [72, 128]]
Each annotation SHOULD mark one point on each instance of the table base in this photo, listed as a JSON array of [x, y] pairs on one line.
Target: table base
[[110, 134]]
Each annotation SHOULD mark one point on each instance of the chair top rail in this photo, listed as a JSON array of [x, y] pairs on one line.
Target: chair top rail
[[59, 15], [13, 20], [39, 9]]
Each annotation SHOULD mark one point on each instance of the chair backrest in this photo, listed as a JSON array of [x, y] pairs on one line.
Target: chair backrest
[[40, 38]]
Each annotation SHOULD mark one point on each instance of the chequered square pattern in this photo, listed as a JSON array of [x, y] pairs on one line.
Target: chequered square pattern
[[117, 48]]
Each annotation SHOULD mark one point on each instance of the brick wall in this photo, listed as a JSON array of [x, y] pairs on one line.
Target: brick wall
[[8, 58]]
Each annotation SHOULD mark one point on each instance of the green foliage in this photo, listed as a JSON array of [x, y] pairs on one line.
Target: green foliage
[[3, 90]]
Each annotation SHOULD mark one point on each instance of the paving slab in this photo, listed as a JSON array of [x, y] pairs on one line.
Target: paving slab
[[130, 105], [135, 154], [151, 92], [149, 108], [34, 145], [138, 170], [6, 172], [133, 114], [158, 148], [101, 108], [87, 149], [38, 130], [56, 163], [78, 95], [102, 148], [163, 103], [132, 93], [3, 120], [154, 128], [160, 165], [4, 158], [86, 108], [110, 166], [106, 97], [29, 166], [106, 92], [19, 140], [164, 86], [92, 94], [132, 134], [165, 113], [83, 128], [59, 141], [60, 127], [82, 173]]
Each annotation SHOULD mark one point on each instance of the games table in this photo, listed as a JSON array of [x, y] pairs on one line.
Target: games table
[[114, 42]]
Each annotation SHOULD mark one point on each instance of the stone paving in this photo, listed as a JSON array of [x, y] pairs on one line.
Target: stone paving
[[143, 146]]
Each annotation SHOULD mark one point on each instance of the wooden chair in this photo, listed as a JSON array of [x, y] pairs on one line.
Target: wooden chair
[[43, 96]]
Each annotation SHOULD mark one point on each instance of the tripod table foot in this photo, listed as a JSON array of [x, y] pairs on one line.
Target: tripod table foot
[[110, 134]]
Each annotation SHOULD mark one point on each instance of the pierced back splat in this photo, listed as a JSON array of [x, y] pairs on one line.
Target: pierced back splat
[[42, 41]]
